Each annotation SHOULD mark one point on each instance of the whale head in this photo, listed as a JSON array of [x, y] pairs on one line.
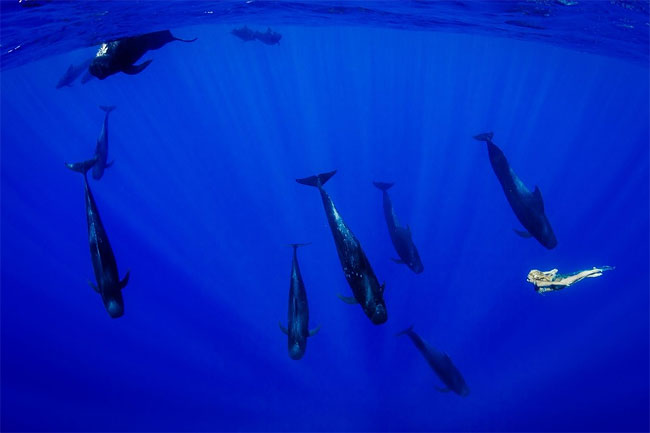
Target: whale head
[[296, 350], [378, 314], [464, 390], [414, 263], [100, 67], [114, 304], [547, 237], [407, 250]]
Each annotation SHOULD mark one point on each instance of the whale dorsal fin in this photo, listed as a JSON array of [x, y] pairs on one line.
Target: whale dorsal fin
[[125, 280], [537, 199], [283, 329]]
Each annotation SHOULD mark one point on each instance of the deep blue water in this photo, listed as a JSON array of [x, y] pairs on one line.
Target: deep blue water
[[202, 200]]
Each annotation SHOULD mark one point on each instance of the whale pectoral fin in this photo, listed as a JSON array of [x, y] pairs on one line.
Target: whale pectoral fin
[[314, 331], [109, 164], [347, 299], [537, 199], [125, 280], [283, 329], [439, 389], [136, 69], [523, 233], [95, 288], [399, 261]]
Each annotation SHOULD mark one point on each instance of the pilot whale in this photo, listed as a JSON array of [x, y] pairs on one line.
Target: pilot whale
[[109, 286], [72, 73], [269, 37], [440, 363], [527, 206], [358, 272], [120, 55], [101, 150], [400, 236], [298, 321], [244, 33]]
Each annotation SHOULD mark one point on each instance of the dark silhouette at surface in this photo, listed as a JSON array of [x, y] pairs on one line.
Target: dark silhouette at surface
[[269, 37], [243, 33]]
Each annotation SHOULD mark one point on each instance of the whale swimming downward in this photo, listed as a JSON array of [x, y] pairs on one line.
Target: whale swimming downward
[[359, 274]]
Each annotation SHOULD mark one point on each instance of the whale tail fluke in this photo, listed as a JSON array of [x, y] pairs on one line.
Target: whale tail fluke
[[295, 246], [81, 167], [318, 180], [486, 136], [406, 331], [107, 108], [384, 186]]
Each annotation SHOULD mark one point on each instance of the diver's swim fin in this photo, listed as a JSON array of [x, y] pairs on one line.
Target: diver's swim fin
[[136, 69], [347, 299]]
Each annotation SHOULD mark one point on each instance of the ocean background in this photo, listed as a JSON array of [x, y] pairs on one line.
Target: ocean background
[[202, 201]]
